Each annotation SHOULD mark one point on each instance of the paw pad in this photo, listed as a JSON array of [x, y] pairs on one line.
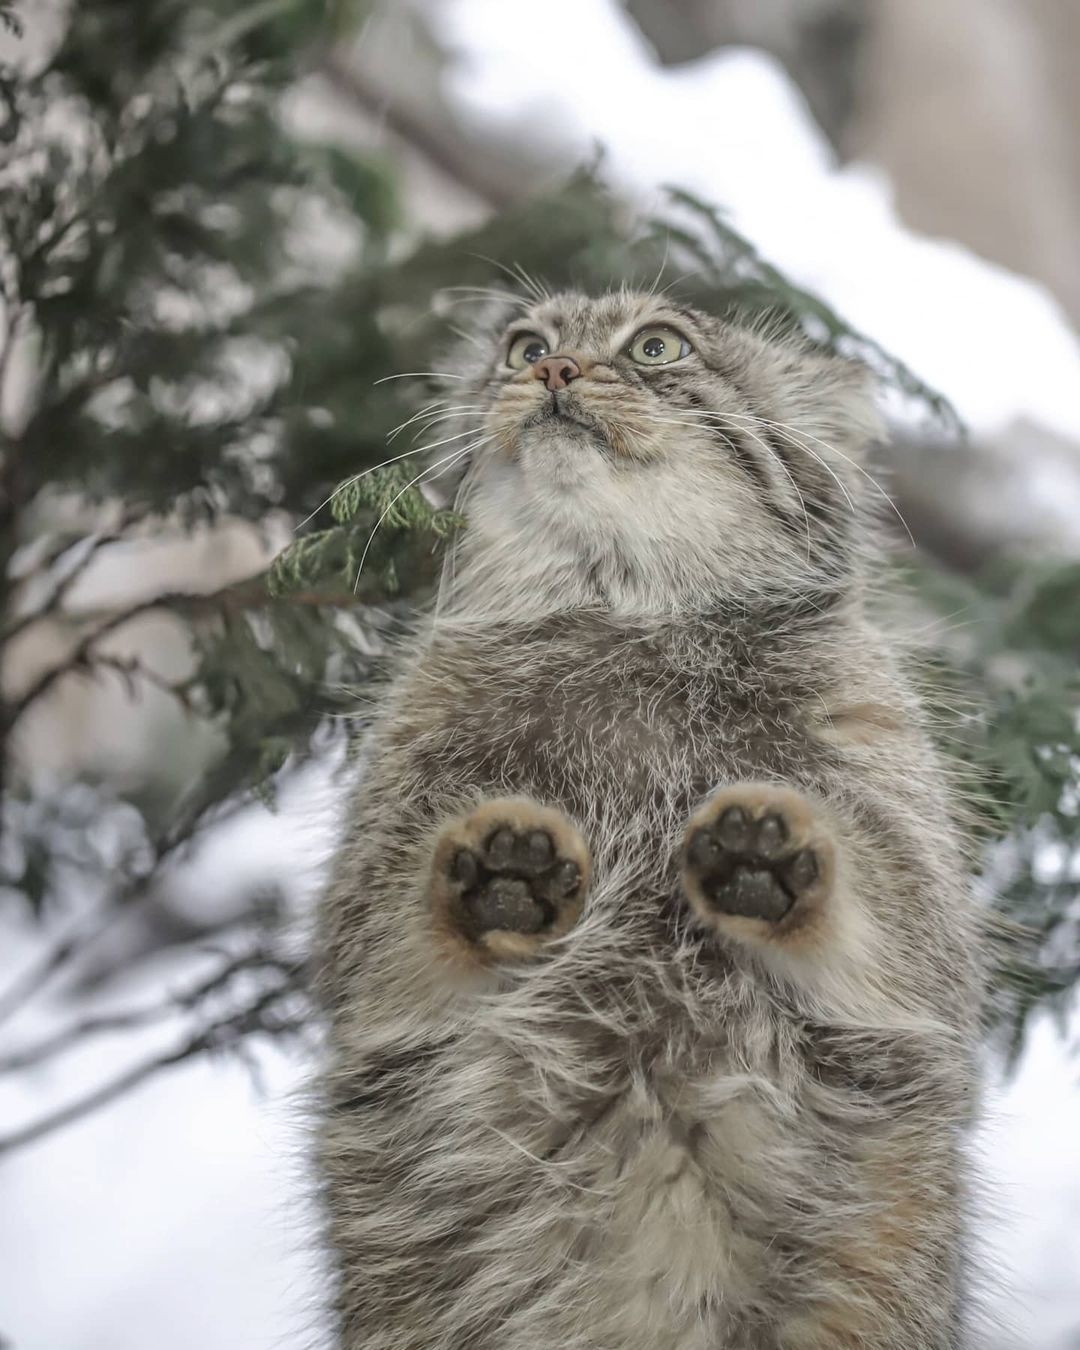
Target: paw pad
[[510, 876], [514, 882], [754, 853]]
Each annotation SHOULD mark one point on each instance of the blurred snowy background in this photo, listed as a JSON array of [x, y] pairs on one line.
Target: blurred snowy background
[[916, 164]]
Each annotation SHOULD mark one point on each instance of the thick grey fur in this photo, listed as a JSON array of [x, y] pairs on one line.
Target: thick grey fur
[[655, 1135]]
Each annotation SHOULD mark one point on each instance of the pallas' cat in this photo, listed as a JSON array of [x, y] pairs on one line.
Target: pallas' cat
[[649, 958]]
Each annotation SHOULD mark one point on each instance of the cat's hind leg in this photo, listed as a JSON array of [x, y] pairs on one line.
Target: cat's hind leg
[[506, 878]]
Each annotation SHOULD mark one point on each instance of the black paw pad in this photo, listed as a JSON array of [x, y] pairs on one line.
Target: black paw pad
[[747, 865], [515, 881]]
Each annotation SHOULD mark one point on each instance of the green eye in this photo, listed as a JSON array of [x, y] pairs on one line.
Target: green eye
[[525, 350], [659, 347]]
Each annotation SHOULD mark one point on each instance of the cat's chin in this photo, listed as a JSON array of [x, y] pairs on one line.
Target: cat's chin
[[562, 454], [561, 470]]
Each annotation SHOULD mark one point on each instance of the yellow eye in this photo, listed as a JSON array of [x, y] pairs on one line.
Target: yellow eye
[[659, 347], [525, 350]]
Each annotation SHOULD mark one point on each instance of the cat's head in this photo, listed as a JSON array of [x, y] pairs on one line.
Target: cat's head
[[636, 455]]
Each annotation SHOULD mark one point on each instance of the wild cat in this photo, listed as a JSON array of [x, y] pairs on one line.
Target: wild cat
[[650, 964]]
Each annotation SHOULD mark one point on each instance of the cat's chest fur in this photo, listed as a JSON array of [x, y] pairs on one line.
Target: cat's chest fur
[[581, 712]]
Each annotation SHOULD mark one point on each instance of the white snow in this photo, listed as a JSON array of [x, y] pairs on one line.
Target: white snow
[[732, 128], [174, 1219], [1032, 1172]]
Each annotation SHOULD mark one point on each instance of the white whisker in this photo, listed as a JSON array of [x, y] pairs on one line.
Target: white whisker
[[461, 497], [436, 406], [419, 375], [435, 470], [436, 414], [663, 264], [778, 459], [350, 482], [539, 292], [857, 467], [790, 435], [487, 293]]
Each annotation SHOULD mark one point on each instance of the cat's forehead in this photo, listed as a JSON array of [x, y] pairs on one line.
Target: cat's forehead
[[589, 320]]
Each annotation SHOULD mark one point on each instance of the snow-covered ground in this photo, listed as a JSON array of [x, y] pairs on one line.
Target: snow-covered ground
[[178, 1217]]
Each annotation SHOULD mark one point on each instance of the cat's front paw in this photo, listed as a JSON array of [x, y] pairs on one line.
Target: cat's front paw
[[757, 860], [507, 878]]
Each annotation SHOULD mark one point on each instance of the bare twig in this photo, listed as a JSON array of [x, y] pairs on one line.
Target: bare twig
[[131, 669], [91, 545], [184, 1000], [70, 1036], [82, 657], [27, 985], [138, 890], [262, 1015]]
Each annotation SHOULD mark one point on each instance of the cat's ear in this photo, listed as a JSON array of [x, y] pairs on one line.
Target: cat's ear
[[801, 390], [832, 401]]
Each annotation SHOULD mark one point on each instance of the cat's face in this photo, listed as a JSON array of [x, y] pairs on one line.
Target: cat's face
[[641, 456]]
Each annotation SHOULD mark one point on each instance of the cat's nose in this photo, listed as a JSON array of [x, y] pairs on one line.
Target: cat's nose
[[556, 371]]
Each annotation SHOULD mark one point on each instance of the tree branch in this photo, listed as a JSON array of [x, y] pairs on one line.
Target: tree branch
[[184, 1001], [448, 153], [262, 1015], [137, 890], [80, 659], [247, 594], [63, 585], [131, 669]]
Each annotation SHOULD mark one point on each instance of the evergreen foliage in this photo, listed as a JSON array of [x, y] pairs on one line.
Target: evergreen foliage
[[176, 353], [1008, 677]]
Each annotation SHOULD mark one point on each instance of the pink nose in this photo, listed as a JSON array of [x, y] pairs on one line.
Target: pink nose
[[556, 371]]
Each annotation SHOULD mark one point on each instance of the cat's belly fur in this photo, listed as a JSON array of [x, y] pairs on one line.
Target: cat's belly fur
[[624, 1147], [673, 1266], [653, 1228], [650, 1219], [646, 1231]]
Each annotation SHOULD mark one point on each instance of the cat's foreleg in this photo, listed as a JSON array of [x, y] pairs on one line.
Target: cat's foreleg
[[780, 873], [760, 864], [506, 878], [816, 900]]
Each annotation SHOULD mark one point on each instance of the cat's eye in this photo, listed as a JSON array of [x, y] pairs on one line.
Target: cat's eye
[[525, 350], [659, 347]]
